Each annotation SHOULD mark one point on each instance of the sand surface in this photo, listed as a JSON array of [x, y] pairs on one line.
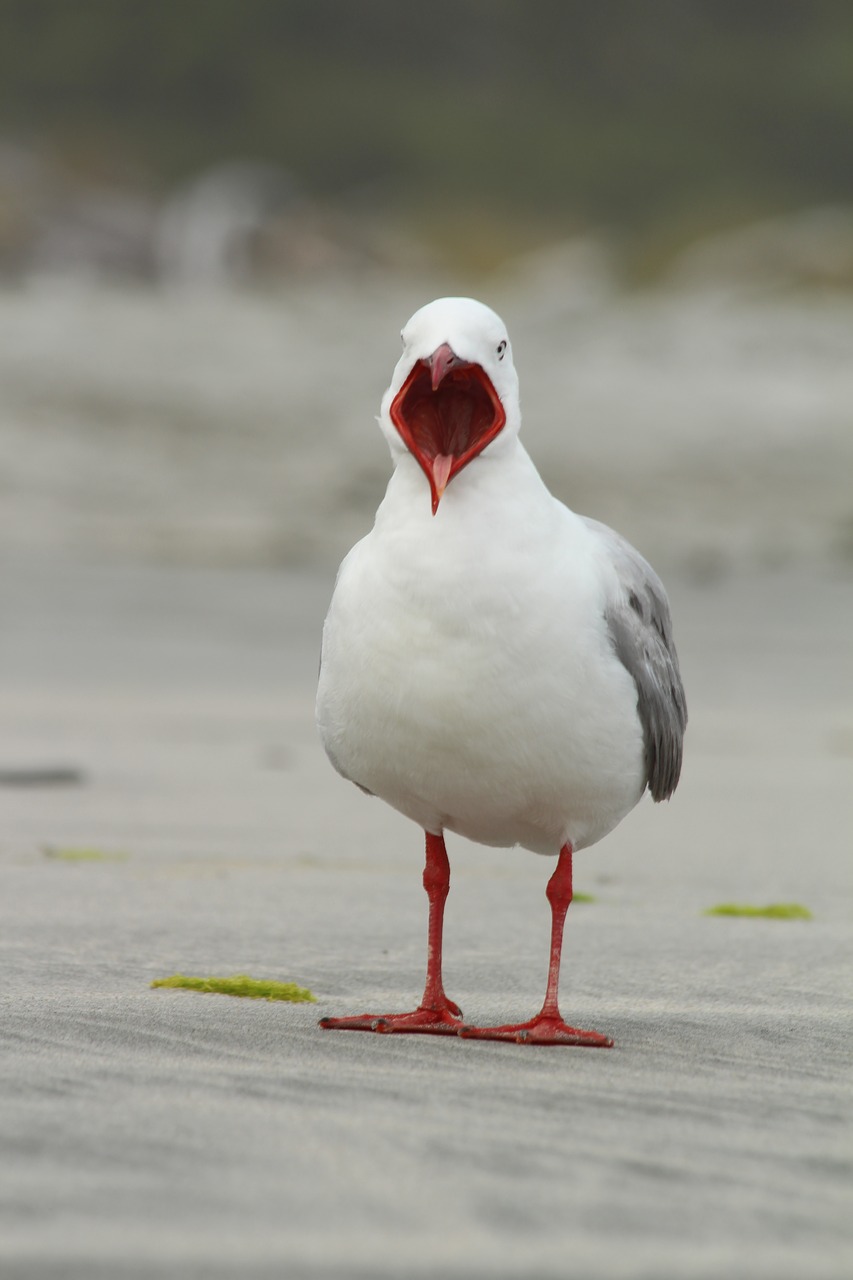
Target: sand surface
[[160, 1133]]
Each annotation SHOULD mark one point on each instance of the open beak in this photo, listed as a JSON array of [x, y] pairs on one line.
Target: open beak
[[446, 412]]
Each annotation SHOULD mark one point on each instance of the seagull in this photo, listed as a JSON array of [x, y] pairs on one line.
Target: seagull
[[492, 663]]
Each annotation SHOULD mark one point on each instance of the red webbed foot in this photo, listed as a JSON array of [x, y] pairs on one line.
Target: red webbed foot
[[543, 1029], [442, 1021]]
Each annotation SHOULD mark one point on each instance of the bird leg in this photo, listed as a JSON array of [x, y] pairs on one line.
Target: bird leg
[[548, 1027], [435, 1015]]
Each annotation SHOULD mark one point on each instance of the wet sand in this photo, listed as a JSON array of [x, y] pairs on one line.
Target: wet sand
[[161, 1133]]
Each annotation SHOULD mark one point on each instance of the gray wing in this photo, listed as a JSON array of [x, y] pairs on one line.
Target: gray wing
[[640, 626]]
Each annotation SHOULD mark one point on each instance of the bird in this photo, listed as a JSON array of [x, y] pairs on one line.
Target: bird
[[492, 663]]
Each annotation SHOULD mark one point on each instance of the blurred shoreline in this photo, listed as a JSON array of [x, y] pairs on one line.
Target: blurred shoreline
[[193, 377], [709, 418]]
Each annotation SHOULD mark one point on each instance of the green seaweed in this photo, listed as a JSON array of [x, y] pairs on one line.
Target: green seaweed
[[239, 984], [775, 911], [82, 855]]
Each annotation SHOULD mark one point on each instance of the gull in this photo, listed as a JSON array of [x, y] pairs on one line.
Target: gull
[[493, 664]]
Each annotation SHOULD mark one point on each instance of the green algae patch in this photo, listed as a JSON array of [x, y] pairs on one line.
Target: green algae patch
[[83, 855], [776, 911], [584, 897], [239, 984]]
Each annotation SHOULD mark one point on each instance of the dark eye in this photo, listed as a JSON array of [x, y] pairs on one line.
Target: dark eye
[[501, 349], [402, 337]]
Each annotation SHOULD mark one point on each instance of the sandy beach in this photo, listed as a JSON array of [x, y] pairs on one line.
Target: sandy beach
[[161, 1133]]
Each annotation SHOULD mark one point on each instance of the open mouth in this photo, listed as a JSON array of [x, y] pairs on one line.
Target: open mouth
[[446, 412]]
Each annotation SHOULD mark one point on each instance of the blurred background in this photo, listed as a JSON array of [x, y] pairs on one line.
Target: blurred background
[[216, 215]]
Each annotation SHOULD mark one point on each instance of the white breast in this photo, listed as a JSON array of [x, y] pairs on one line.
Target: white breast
[[467, 675]]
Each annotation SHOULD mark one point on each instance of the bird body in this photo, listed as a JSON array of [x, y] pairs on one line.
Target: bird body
[[493, 664], [468, 677]]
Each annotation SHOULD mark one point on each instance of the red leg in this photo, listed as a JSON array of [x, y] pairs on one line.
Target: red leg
[[435, 1015], [548, 1027]]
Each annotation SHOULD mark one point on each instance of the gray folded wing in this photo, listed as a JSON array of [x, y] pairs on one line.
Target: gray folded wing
[[640, 626]]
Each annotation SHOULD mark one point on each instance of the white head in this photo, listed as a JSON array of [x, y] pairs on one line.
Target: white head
[[454, 393]]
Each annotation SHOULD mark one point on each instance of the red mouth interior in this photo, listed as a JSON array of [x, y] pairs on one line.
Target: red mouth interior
[[457, 420]]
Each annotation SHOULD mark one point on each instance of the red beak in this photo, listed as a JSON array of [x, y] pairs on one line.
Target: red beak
[[442, 360]]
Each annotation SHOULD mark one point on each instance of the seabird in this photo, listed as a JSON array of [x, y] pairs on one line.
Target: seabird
[[493, 664]]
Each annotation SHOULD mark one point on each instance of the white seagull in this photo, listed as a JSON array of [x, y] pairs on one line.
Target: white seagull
[[493, 664]]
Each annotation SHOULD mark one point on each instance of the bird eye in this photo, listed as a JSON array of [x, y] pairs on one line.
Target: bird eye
[[402, 337], [501, 349]]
